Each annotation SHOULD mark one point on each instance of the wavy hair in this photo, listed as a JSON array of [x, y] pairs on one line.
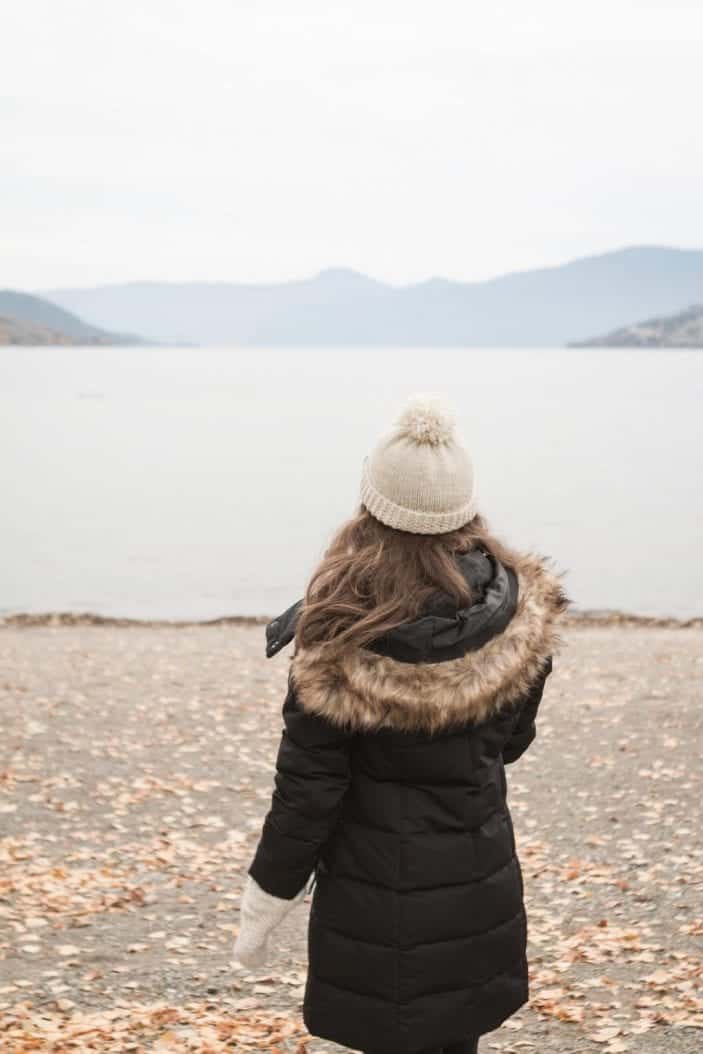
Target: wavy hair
[[373, 578]]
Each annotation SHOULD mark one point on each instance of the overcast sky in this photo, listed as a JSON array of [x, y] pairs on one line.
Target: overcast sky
[[237, 140]]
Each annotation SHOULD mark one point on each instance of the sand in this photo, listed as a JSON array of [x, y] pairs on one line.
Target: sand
[[136, 767]]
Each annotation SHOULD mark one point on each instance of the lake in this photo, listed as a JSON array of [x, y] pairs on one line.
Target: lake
[[198, 482]]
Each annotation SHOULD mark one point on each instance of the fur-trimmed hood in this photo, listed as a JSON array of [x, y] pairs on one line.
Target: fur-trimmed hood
[[365, 689]]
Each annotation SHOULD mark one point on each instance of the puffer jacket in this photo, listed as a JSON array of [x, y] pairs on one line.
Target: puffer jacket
[[390, 789]]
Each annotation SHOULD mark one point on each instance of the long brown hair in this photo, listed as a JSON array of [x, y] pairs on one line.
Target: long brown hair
[[373, 578]]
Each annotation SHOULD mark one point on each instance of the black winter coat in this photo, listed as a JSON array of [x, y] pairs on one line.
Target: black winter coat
[[390, 786]]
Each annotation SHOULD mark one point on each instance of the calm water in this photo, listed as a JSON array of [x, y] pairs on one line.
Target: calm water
[[201, 482]]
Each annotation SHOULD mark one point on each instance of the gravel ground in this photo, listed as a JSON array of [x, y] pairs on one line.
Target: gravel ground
[[136, 767]]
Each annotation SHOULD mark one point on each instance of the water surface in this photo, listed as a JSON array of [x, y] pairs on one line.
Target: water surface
[[198, 482]]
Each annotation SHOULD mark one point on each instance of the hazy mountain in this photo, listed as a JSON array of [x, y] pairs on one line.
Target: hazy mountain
[[552, 305], [15, 331], [684, 330], [30, 319]]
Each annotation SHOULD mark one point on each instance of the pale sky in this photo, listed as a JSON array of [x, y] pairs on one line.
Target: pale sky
[[247, 141]]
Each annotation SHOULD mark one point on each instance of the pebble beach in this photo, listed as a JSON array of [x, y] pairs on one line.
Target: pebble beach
[[136, 768]]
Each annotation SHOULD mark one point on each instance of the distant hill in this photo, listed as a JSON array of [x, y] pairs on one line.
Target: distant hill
[[27, 319], [549, 306], [684, 330], [14, 331]]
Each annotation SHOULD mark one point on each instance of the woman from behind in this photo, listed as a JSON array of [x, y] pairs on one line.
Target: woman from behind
[[421, 650]]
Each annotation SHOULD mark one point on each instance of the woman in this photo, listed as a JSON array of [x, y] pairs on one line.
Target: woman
[[422, 646]]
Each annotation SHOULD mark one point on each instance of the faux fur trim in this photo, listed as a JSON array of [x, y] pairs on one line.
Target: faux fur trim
[[362, 690]]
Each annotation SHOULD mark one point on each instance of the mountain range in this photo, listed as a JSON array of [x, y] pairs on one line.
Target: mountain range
[[548, 306]]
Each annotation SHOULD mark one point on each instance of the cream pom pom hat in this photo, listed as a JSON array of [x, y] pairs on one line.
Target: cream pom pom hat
[[420, 477]]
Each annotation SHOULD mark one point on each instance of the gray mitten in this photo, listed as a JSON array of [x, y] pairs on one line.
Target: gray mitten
[[259, 913]]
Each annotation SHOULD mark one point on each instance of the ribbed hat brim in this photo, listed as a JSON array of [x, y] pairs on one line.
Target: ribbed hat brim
[[411, 520]]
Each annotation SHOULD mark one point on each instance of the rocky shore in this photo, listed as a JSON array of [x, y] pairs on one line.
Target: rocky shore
[[603, 617]]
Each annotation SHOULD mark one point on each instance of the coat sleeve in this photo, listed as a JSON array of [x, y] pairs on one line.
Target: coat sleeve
[[525, 729], [313, 770]]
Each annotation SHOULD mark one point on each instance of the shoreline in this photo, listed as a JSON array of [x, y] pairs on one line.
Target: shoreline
[[87, 618]]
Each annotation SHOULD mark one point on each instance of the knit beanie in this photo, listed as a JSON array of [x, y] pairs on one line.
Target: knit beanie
[[420, 477]]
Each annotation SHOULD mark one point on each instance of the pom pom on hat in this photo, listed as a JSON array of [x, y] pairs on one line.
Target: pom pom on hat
[[425, 419]]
